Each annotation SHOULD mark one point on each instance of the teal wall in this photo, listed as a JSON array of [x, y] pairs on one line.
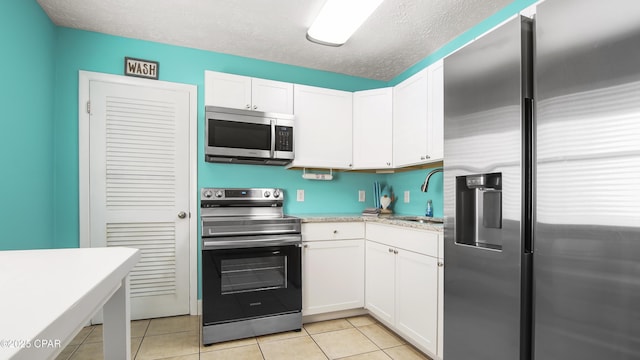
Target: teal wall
[[411, 181], [27, 39]]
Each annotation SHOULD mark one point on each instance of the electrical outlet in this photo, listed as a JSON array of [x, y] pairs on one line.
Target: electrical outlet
[[361, 195], [406, 196], [300, 195]]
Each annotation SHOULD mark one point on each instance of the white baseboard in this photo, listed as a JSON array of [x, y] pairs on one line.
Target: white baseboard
[[333, 315]]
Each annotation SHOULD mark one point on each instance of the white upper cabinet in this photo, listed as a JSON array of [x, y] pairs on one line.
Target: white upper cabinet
[[410, 120], [272, 96], [435, 107], [373, 129], [323, 131], [242, 92], [417, 118]]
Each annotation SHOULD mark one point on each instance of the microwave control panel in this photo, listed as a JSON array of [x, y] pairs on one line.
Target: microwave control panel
[[284, 138]]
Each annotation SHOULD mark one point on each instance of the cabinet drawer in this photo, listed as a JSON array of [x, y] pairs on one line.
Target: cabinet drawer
[[420, 241], [332, 231]]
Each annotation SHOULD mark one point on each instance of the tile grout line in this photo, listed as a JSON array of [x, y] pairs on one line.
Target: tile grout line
[[406, 343], [324, 332], [260, 348], [370, 339], [353, 326], [318, 345], [135, 355]]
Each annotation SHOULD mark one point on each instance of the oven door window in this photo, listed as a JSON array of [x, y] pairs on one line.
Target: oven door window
[[250, 283], [253, 273]]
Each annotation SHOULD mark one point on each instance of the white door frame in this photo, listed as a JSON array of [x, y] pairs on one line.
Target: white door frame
[[83, 148]]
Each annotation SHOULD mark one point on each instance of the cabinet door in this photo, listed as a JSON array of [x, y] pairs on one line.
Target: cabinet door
[[332, 276], [410, 120], [440, 308], [435, 106], [323, 132], [417, 298], [380, 281], [227, 90], [372, 129], [272, 96]]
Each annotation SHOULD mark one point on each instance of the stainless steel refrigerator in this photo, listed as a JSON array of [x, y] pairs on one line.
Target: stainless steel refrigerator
[[542, 187]]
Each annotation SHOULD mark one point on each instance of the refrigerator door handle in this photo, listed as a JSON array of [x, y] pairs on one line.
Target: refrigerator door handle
[[527, 175]]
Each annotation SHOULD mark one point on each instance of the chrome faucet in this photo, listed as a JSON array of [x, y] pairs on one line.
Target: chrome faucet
[[425, 185]]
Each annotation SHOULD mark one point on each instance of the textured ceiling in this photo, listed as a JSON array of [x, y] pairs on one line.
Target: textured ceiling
[[398, 34]]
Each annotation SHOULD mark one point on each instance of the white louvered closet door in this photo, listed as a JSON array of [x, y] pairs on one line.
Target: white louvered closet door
[[139, 186]]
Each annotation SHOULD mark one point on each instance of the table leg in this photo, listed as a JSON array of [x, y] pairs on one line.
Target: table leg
[[117, 324]]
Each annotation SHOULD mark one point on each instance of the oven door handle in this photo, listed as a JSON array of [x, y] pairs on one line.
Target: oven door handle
[[247, 242], [236, 233]]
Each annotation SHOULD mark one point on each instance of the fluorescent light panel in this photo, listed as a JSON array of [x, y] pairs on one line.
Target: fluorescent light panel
[[339, 19]]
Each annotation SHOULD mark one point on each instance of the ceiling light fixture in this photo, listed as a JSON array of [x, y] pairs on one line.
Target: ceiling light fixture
[[339, 19]]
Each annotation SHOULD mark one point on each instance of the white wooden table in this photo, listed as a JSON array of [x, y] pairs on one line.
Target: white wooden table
[[47, 296]]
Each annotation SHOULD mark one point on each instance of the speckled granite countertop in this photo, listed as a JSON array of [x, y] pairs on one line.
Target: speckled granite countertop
[[398, 220]]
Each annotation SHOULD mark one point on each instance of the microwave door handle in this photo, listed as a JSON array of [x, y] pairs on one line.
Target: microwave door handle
[[273, 138]]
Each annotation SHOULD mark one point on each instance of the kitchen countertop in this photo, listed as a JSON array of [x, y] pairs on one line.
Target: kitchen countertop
[[398, 220]]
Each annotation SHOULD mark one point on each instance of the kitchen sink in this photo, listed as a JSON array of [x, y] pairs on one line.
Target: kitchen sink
[[419, 219]]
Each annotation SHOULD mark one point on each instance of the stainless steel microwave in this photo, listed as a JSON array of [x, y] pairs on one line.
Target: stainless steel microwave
[[248, 137]]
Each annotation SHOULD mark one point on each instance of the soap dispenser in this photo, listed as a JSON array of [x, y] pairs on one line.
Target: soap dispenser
[[429, 211]]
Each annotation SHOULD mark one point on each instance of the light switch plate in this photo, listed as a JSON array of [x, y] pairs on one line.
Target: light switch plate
[[361, 195], [300, 195], [406, 196]]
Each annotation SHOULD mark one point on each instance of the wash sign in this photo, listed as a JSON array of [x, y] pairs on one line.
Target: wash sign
[[141, 68]]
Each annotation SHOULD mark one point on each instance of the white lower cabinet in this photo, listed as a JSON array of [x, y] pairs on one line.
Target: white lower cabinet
[[380, 281], [402, 286], [332, 270], [417, 297], [440, 308], [392, 271]]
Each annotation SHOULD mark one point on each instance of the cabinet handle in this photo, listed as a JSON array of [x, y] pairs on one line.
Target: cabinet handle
[[255, 107], [350, 165], [248, 106], [388, 163], [440, 264], [422, 158], [390, 250], [395, 251], [305, 246], [427, 157], [335, 231]]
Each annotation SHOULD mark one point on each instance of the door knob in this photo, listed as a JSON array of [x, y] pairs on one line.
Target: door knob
[[182, 214]]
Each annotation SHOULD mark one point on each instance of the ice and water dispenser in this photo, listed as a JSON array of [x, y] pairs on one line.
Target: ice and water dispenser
[[479, 210]]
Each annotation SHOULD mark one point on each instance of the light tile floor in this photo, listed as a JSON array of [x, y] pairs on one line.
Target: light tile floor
[[178, 338]]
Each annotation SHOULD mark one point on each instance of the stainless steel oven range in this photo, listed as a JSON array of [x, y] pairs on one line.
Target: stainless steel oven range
[[251, 264]]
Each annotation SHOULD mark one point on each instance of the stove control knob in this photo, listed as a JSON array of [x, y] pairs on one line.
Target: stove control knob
[[208, 194], [218, 194], [267, 194], [276, 193]]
